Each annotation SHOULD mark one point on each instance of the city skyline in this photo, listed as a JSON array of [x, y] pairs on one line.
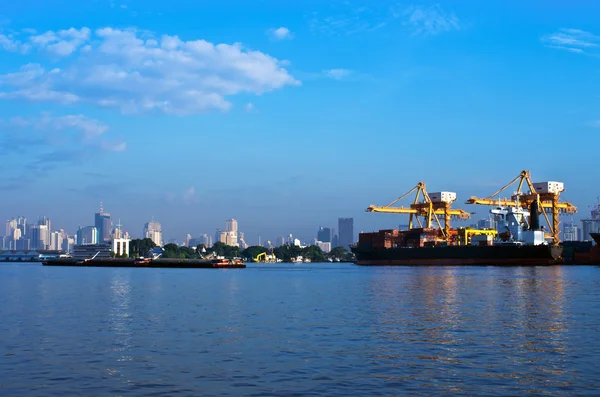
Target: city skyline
[[193, 113]]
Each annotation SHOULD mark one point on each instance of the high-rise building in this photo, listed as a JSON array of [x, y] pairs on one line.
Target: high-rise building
[[570, 232], [103, 223], [346, 232], [56, 241], [242, 242], [325, 234], [231, 229], [153, 231], [11, 225], [591, 225], [87, 236], [335, 241], [39, 237]]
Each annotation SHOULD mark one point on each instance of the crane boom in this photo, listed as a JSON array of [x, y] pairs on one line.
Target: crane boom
[[548, 201], [427, 209]]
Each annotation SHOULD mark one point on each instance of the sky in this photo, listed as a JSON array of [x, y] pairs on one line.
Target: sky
[[286, 115]]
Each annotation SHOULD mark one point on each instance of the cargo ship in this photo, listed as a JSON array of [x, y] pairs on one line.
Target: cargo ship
[[518, 240], [583, 252]]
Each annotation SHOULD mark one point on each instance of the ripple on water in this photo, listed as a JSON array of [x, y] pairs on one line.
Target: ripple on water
[[313, 329]]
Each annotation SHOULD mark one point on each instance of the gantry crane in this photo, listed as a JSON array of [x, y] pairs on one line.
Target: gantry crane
[[548, 201], [427, 208]]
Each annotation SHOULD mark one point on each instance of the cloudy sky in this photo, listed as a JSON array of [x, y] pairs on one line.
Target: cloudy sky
[[288, 114]]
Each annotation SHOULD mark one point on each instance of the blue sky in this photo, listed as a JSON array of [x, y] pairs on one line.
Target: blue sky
[[289, 114]]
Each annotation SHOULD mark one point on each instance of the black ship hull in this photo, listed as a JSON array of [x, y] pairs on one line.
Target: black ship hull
[[494, 255]]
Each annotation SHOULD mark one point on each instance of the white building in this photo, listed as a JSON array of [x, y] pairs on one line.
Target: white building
[[153, 231], [120, 246], [325, 246]]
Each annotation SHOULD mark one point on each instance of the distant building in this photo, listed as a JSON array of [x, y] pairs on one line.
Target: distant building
[[120, 246], [231, 228], [325, 234], [103, 224], [153, 231], [569, 232], [324, 245], [591, 225], [39, 235], [242, 242], [486, 223], [335, 241], [346, 232], [87, 236]]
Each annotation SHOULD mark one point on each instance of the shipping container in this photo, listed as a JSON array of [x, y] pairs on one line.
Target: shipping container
[[442, 197], [549, 187]]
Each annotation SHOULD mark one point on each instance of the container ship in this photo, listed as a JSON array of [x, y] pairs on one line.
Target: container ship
[[517, 237]]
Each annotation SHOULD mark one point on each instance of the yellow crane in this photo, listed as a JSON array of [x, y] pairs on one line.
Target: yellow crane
[[424, 207], [547, 197]]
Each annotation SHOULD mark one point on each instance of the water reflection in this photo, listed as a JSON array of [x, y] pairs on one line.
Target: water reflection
[[120, 321], [325, 330], [516, 313]]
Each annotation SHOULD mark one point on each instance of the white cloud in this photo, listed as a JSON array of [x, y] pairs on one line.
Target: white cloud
[[280, 33], [595, 124], [63, 42], [573, 40], [430, 20], [346, 18], [189, 196], [70, 130], [337, 74], [136, 71], [249, 107], [10, 43]]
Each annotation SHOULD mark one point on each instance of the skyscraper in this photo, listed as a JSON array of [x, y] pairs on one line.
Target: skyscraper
[[325, 234], [153, 231], [87, 235], [103, 224], [346, 232], [231, 231]]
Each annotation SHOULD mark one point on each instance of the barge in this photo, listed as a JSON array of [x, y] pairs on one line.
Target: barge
[[149, 263]]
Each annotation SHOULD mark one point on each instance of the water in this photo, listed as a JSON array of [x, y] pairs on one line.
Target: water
[[299, 330]]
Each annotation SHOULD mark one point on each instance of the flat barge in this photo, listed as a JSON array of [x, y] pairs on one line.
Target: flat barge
[[149, 263]]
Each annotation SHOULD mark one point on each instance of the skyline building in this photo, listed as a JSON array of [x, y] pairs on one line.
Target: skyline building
[[153, 231], [103, 224], [592, 224], [346, 232], [325, 234], [87, 236]]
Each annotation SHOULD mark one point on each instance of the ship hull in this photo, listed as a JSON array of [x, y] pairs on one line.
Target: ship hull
[[459, 256]]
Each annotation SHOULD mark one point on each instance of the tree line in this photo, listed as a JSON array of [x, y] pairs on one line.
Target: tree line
[[140, 247]]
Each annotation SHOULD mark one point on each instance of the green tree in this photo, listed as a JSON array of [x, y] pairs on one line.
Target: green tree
[[253, 251], [340, 253], [225, 250], [314, 253], [287, 252], [140, 247]]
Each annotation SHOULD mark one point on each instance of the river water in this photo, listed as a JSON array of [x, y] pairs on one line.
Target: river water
[[299, 330]]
